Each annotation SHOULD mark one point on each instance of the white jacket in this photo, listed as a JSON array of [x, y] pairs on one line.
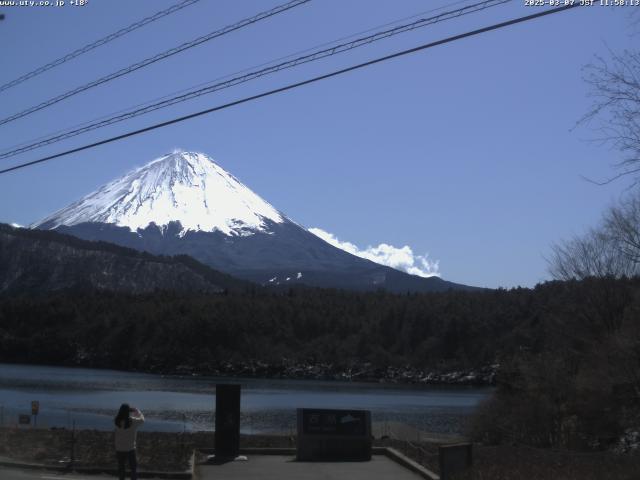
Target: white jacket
[[126, 437]]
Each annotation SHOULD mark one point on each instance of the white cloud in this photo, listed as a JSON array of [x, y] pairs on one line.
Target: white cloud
[[399, 258]]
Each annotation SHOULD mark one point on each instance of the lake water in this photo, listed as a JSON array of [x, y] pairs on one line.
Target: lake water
[[89, 398]]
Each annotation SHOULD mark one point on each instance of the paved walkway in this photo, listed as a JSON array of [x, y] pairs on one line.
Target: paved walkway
[[277, 467], [262, 467], [18, 474]]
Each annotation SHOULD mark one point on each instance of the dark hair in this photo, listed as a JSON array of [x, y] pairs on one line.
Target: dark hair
[[123, 416]]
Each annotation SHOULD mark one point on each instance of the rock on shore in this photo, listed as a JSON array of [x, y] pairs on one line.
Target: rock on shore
[[482, 376]]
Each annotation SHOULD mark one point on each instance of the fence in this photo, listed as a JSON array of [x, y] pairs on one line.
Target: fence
[[410, 442]]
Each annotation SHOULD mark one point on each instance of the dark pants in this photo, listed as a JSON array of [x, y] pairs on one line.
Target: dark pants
[[133, 463]]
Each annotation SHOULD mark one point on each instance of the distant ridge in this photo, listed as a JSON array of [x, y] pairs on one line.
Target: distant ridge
[[35, 261]]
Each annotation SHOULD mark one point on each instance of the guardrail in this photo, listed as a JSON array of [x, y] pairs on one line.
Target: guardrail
[[422, 453]]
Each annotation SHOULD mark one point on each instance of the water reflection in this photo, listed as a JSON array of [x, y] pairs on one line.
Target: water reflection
[[90, 397]]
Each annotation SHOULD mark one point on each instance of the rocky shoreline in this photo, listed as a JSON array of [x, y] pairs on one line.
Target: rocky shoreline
[[482, 376]]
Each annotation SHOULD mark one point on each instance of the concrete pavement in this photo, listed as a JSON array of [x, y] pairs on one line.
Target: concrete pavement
[[262, 467], [279, 467], [18, 474]]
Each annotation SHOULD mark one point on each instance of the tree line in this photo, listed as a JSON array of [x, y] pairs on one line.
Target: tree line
[[568, 351]]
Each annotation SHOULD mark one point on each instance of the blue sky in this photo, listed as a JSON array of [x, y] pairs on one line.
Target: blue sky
[[464, 152]]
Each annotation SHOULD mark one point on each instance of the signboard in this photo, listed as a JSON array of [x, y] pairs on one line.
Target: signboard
[[325, 434], [35, 407], [24, 419], [334, 422]]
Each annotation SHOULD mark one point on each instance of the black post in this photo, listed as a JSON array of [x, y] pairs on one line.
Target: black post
[[227, 436], [454, 459], [72, 459]]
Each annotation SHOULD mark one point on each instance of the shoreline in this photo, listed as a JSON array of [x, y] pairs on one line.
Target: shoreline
[[484, 376]]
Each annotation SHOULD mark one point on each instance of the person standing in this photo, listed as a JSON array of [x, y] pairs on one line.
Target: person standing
[[127, 423]]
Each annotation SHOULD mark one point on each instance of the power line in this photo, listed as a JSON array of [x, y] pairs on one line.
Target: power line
[[298, 84], [317, 55], [156, 58], [9, 151], [98, 43]]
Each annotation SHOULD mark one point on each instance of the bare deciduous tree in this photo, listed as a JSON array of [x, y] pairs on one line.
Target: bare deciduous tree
[[610, 250], [615, 89], [622, 224], [593, 254]]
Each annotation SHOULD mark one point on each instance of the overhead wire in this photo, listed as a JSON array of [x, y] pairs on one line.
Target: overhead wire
[[160, 56], [9, 149], [332, 50], [298, 84], [98, 43]]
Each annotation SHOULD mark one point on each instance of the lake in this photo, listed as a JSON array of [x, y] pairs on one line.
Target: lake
[[89, 398]]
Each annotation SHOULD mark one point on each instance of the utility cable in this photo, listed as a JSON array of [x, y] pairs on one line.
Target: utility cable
[[314, 56], [297, 85], [98, 43], [10, 149], [160, 56]]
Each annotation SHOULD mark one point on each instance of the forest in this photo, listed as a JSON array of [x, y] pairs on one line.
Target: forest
[[568, 351]]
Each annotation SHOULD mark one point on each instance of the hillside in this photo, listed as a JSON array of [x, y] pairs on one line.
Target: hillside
[[33, 261]]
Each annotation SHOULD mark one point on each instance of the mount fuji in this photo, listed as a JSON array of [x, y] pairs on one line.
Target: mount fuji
[[185, 203]]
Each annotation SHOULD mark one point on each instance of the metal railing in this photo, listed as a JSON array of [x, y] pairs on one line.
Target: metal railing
[[420, 451]]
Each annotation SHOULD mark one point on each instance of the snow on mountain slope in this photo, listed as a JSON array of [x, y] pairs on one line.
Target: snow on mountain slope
[[182, 186], [185, 204]]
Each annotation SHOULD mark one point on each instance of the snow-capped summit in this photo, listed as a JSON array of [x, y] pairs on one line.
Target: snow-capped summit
[[186, 187]]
